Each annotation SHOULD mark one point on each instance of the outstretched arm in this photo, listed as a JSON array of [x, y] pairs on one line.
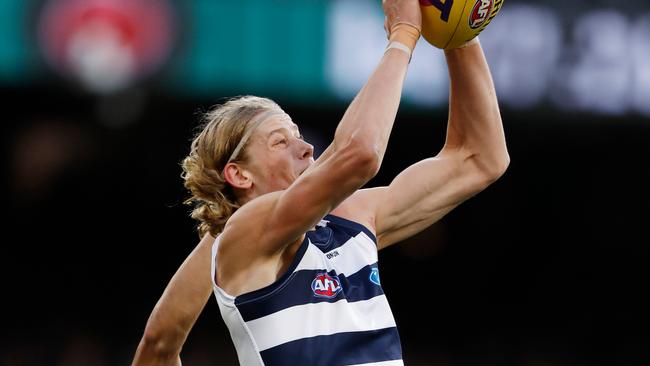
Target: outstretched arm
[[474, 155], [348, 163], [177, 310]]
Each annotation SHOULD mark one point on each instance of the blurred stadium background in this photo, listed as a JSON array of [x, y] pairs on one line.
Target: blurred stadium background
[[549, 266]]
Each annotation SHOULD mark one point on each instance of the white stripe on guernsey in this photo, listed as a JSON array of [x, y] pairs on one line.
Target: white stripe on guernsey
[[383, 363], [310, 320], [247, 351], [348, 259], [354, 254]]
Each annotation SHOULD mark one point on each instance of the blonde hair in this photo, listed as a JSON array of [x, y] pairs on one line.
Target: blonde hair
[[221, 132]]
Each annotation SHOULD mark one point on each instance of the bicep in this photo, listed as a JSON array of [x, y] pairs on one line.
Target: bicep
[[422, 194]]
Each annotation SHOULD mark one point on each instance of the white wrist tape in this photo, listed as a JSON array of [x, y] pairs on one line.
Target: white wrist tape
[[399, 46]]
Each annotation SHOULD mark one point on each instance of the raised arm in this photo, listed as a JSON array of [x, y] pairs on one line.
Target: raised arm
[[177, 310], [475, 129], [349, 162], [474, 155]]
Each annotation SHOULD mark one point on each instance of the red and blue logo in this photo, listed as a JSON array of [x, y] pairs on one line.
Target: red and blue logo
[[480, 13], [326, 286]]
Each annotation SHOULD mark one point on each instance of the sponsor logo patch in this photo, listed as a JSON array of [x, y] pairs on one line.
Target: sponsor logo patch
[[374, 276]]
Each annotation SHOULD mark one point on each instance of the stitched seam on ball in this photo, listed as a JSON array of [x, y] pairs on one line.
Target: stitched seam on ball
[[457, 25]]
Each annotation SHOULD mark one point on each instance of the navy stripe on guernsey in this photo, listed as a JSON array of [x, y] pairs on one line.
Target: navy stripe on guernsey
[[353, 348], [285, 323], [351, 227], [354, 289], [324, 238]]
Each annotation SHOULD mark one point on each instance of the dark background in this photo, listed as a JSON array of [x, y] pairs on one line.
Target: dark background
[[547, 266]]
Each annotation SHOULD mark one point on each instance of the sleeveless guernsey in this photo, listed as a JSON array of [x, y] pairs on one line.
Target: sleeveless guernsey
[[328, 308]]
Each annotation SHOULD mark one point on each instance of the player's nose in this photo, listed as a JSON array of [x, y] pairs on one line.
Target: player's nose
[[306, 150]]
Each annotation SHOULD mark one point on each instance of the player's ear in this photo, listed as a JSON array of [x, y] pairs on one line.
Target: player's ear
[[237, 176]]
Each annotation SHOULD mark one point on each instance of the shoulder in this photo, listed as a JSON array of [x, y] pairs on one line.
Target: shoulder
[[247, 221], [248, 215]]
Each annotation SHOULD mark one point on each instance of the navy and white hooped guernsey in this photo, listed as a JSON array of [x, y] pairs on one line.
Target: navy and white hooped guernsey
[[328, 308]]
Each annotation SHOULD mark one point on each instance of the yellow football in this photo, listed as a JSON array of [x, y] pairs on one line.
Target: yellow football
[[448, 24]]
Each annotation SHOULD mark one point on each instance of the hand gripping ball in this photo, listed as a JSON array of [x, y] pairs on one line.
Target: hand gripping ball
[[449, 24]]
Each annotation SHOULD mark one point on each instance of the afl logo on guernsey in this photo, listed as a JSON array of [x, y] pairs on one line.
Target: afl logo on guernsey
[[326, 286], [480, 13]]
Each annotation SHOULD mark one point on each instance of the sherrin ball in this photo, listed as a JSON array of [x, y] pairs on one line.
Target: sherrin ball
[[448, 24]]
